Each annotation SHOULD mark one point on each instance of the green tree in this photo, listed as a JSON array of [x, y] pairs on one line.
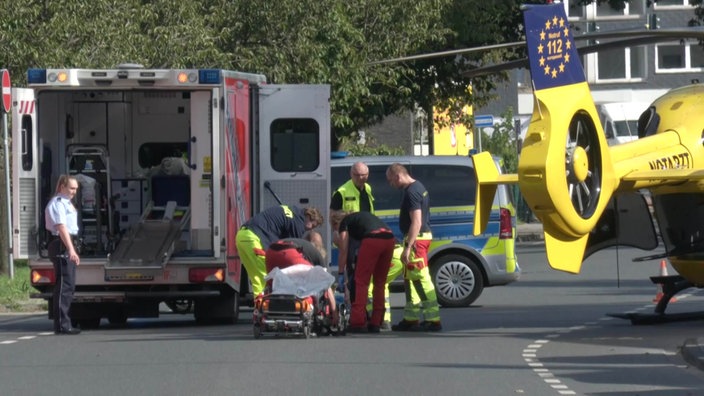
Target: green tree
[[503, 141]]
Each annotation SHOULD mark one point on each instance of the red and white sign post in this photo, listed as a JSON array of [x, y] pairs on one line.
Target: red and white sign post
[[6, 91], [7, 105]]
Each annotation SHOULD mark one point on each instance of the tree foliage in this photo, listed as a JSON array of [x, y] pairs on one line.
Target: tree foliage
[[503, 141]]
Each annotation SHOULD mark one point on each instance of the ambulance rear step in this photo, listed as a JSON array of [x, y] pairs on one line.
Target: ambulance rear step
[[143, 253]]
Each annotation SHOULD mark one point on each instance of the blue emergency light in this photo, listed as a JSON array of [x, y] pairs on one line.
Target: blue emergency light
[[36, 76], [209, 76]]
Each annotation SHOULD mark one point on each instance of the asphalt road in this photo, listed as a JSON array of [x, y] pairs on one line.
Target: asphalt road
[[547, 334]]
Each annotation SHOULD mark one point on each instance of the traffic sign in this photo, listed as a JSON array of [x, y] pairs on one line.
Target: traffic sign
[[6, 91], [483, 120]]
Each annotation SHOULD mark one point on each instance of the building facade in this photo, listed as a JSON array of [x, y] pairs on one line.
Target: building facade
[[633, 74]]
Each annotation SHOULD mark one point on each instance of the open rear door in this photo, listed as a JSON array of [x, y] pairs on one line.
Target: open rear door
[[294, 145], [27, 177]]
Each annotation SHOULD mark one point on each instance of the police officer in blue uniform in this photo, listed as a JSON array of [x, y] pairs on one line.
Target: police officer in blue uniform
[[61, 219]]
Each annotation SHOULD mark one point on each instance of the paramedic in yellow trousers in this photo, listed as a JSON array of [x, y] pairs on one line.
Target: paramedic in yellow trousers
[[414, 223], [267, 227]]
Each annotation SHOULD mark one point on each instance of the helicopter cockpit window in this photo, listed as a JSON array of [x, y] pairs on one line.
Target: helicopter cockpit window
[[648, 122]]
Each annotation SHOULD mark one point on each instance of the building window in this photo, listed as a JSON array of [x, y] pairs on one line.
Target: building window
[[626, 64], [605, 9], [676, 58], [671, 4]]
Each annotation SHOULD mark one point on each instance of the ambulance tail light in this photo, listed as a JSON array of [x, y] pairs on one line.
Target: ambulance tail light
[[505, 226], [206, 275], [42, 276]]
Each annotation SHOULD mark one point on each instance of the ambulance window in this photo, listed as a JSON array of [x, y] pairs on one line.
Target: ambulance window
[[27, 143], [294, 145], [151, 154]]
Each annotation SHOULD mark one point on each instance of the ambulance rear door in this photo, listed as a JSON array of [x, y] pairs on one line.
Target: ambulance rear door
[[27, 177], [293, 157]]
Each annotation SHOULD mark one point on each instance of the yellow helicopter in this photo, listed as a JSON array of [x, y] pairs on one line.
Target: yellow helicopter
[[587, 194]]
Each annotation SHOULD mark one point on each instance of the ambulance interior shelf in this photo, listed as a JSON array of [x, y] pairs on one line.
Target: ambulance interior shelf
[[150, 243], [90, 165]]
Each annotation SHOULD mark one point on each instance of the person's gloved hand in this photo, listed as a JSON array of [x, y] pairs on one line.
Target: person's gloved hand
[[341, 281]]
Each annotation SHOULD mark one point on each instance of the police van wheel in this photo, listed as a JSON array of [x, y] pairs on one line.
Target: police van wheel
[[458, 280]]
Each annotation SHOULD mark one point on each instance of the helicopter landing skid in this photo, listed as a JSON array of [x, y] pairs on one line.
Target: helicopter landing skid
[[671, 285], [654, 318]]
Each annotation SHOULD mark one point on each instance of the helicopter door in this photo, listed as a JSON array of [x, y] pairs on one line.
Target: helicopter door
[[625, 221]]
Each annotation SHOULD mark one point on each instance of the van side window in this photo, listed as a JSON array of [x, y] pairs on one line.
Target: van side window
[[294, 145], [448, 185], [385, 196]]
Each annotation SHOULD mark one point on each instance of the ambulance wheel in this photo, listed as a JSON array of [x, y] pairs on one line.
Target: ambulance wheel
[[86, 324], [117, 319]]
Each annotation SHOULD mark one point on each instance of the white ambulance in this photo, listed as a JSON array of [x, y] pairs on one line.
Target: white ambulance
[[170, 164]]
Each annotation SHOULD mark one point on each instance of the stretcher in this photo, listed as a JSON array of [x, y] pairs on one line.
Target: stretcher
[[144, 251]]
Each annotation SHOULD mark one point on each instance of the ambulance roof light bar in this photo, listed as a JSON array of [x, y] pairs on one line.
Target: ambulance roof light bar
[[121, 76]]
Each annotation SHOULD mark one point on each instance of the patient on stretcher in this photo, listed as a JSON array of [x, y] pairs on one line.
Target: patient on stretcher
[[290, 270]]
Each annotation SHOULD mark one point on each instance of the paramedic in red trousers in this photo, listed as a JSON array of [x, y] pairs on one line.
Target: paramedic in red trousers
[[61, 220], [266, 227], [376, 247], [414, 222]]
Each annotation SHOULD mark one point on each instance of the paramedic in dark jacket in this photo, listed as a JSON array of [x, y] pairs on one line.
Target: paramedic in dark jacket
[[266, 227], [376, 247], [414, 223]]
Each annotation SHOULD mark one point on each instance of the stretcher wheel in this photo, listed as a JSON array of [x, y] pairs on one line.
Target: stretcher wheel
[[257, 330], [343, 319]]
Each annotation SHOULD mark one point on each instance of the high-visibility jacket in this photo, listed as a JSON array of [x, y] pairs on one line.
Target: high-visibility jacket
[[351, 197]]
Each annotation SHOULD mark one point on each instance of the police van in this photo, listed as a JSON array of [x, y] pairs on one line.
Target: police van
[[461, 264]]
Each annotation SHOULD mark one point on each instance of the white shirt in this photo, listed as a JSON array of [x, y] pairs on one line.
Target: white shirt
[[60, 210]]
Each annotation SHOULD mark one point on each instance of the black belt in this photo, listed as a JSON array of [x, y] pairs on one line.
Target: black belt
[[380, 233], [74, 239]]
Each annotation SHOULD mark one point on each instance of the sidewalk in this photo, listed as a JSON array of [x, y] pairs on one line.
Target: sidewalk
[[529, 233]]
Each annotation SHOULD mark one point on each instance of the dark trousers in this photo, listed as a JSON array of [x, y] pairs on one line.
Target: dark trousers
[[64, 286]]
